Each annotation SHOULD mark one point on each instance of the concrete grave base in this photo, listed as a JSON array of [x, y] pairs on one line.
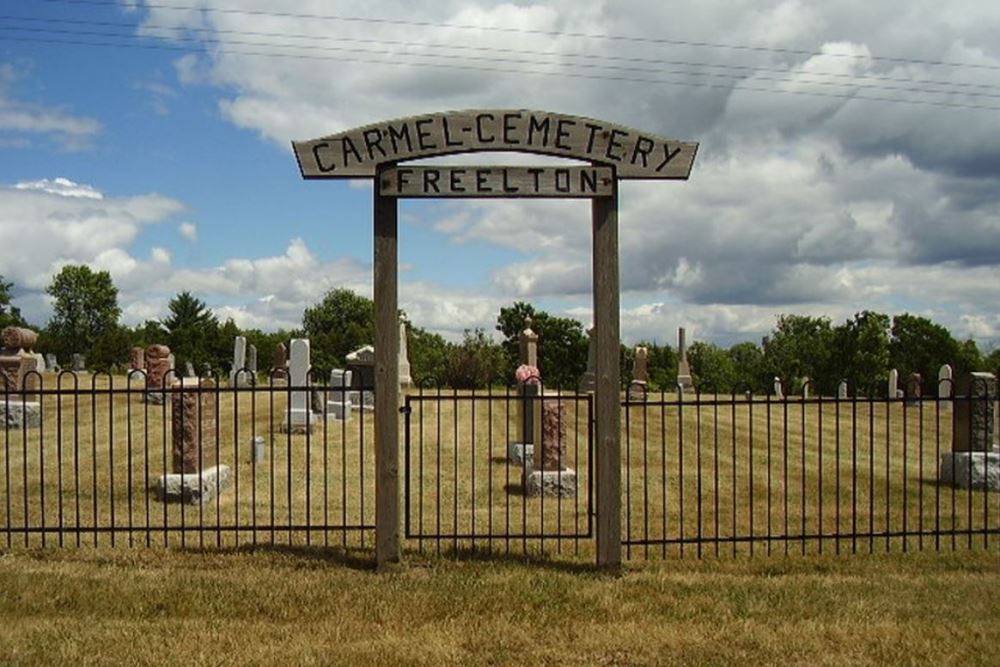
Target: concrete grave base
[[550, 483], [338, 411], [354, 397], [517, 452], [155, 397], [971, 470], [17, 414], [193, 488]]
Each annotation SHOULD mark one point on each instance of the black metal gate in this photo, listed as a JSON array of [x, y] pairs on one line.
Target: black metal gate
[[464, 481]]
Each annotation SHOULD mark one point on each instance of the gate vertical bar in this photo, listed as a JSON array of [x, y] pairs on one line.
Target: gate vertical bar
[[387, 544], [608, 381]]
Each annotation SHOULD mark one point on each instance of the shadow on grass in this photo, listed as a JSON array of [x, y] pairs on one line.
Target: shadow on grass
[[466, 554], [354, 558]]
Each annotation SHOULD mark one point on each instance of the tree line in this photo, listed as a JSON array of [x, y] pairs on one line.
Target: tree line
[[861, 350]]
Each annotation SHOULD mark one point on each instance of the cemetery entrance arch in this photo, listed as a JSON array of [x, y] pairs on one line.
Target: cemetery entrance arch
[[612, 152]]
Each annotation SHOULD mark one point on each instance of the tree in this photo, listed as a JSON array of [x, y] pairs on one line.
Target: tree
[[860, 353], [192, 331], [562, 344], [428, 356], [662, 366], [800, 346], [713, 368], [10, 316], [85, 308], [476, 362], [748, 368], [921, 346], [339, 324]]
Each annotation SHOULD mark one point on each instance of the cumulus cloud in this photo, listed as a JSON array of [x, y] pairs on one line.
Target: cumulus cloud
[[188, 230], [22, 119]]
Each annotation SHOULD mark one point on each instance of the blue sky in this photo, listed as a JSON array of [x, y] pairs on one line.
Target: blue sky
[[848, 160]]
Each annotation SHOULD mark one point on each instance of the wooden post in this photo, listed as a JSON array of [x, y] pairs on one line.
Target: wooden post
[[608, 382], [387, 544]]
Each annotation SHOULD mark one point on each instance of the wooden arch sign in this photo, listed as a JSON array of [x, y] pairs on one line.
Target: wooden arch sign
[[609, 152]]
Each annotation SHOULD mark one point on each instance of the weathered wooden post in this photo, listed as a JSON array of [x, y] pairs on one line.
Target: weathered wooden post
[[386, 275], [607, 397]]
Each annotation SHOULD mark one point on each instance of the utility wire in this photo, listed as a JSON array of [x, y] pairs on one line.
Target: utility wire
[[487, 49], [569, 75], [531, 31]]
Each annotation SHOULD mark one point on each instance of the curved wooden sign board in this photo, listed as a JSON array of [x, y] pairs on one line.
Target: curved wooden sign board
[[359, 153]]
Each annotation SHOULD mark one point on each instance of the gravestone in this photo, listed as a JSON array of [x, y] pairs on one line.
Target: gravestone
[[252, 361], [78, 364], [683, 367], [238, 376], [158, 365], [914, 388], [974, 461], [778, 393], [892, 390], [257, 451], [338, 399], [52, 363], [589, 380], [549, 473], [404, 357], [945, 383], [137, 364], [279, 363], [842, 390], [805, 387], [300, 415], [528, 406], [639, 386], [361, 364], [196, 476], [189, 370], [19, 380]]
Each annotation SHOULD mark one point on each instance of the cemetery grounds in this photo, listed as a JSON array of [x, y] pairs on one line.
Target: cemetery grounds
[[800, 532]]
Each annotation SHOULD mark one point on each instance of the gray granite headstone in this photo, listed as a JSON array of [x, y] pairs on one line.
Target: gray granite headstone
[[79, 363], [252, 358], [300, 408], [945, 386], [52, 363]]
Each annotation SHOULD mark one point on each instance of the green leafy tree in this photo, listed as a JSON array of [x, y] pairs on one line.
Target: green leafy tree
[[748, 368], [991, 360], [860, 353], [918, 345], [712, 367], [474, 363], [562, 344], [110, 352], [10, 316], [428, 356], [800, 346], [339, 324], [192, 331], [85, 309], [662, 366]]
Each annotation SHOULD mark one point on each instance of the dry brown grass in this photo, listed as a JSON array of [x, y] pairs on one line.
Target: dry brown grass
[[313, 606]]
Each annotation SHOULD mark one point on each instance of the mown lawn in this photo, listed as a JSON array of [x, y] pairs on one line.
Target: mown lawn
[[326, 607]]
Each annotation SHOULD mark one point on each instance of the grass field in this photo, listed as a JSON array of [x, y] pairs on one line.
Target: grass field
[[311, 606]]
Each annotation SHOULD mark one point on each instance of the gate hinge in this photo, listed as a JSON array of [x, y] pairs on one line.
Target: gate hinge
[[405, 410]]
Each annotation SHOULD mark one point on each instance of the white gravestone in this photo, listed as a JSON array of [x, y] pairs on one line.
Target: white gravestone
[[300, 408], [683, 367], [404, 358], [842, 390], [945, 386], [777, 388], [893, 388], [236, 378], [338, 399], [805, 387]]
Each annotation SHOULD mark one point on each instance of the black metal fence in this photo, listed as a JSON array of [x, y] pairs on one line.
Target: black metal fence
[[702, 475], [87, 468], [739, 474]]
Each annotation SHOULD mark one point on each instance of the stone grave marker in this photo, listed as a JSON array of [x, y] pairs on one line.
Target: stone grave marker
[[300, 416], [189, 370], [529, 407], [914, 386], [78, 363], [196, 475], [137, 364], [52, 363], [158, 365], [279, 363], [639, 386], [361, 363], [19, 381], [683, 367], [892, 390], [778, 393], [945, 383], [405, 380], [974, 461], [238, 376], [549, 473], [842, 390], [252, 361], [805, 387], [338, 399]]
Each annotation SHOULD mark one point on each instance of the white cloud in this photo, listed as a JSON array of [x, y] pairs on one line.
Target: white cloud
[[188, 230], [20, 117]]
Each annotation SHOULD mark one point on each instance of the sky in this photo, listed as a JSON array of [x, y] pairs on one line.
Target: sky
[[849, 157]]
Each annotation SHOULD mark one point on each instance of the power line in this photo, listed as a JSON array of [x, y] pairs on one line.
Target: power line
[[531, 31], [486, 49], [570, 75]]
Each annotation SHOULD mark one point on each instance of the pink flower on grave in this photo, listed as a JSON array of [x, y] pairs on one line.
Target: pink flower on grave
[[526, 374]]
